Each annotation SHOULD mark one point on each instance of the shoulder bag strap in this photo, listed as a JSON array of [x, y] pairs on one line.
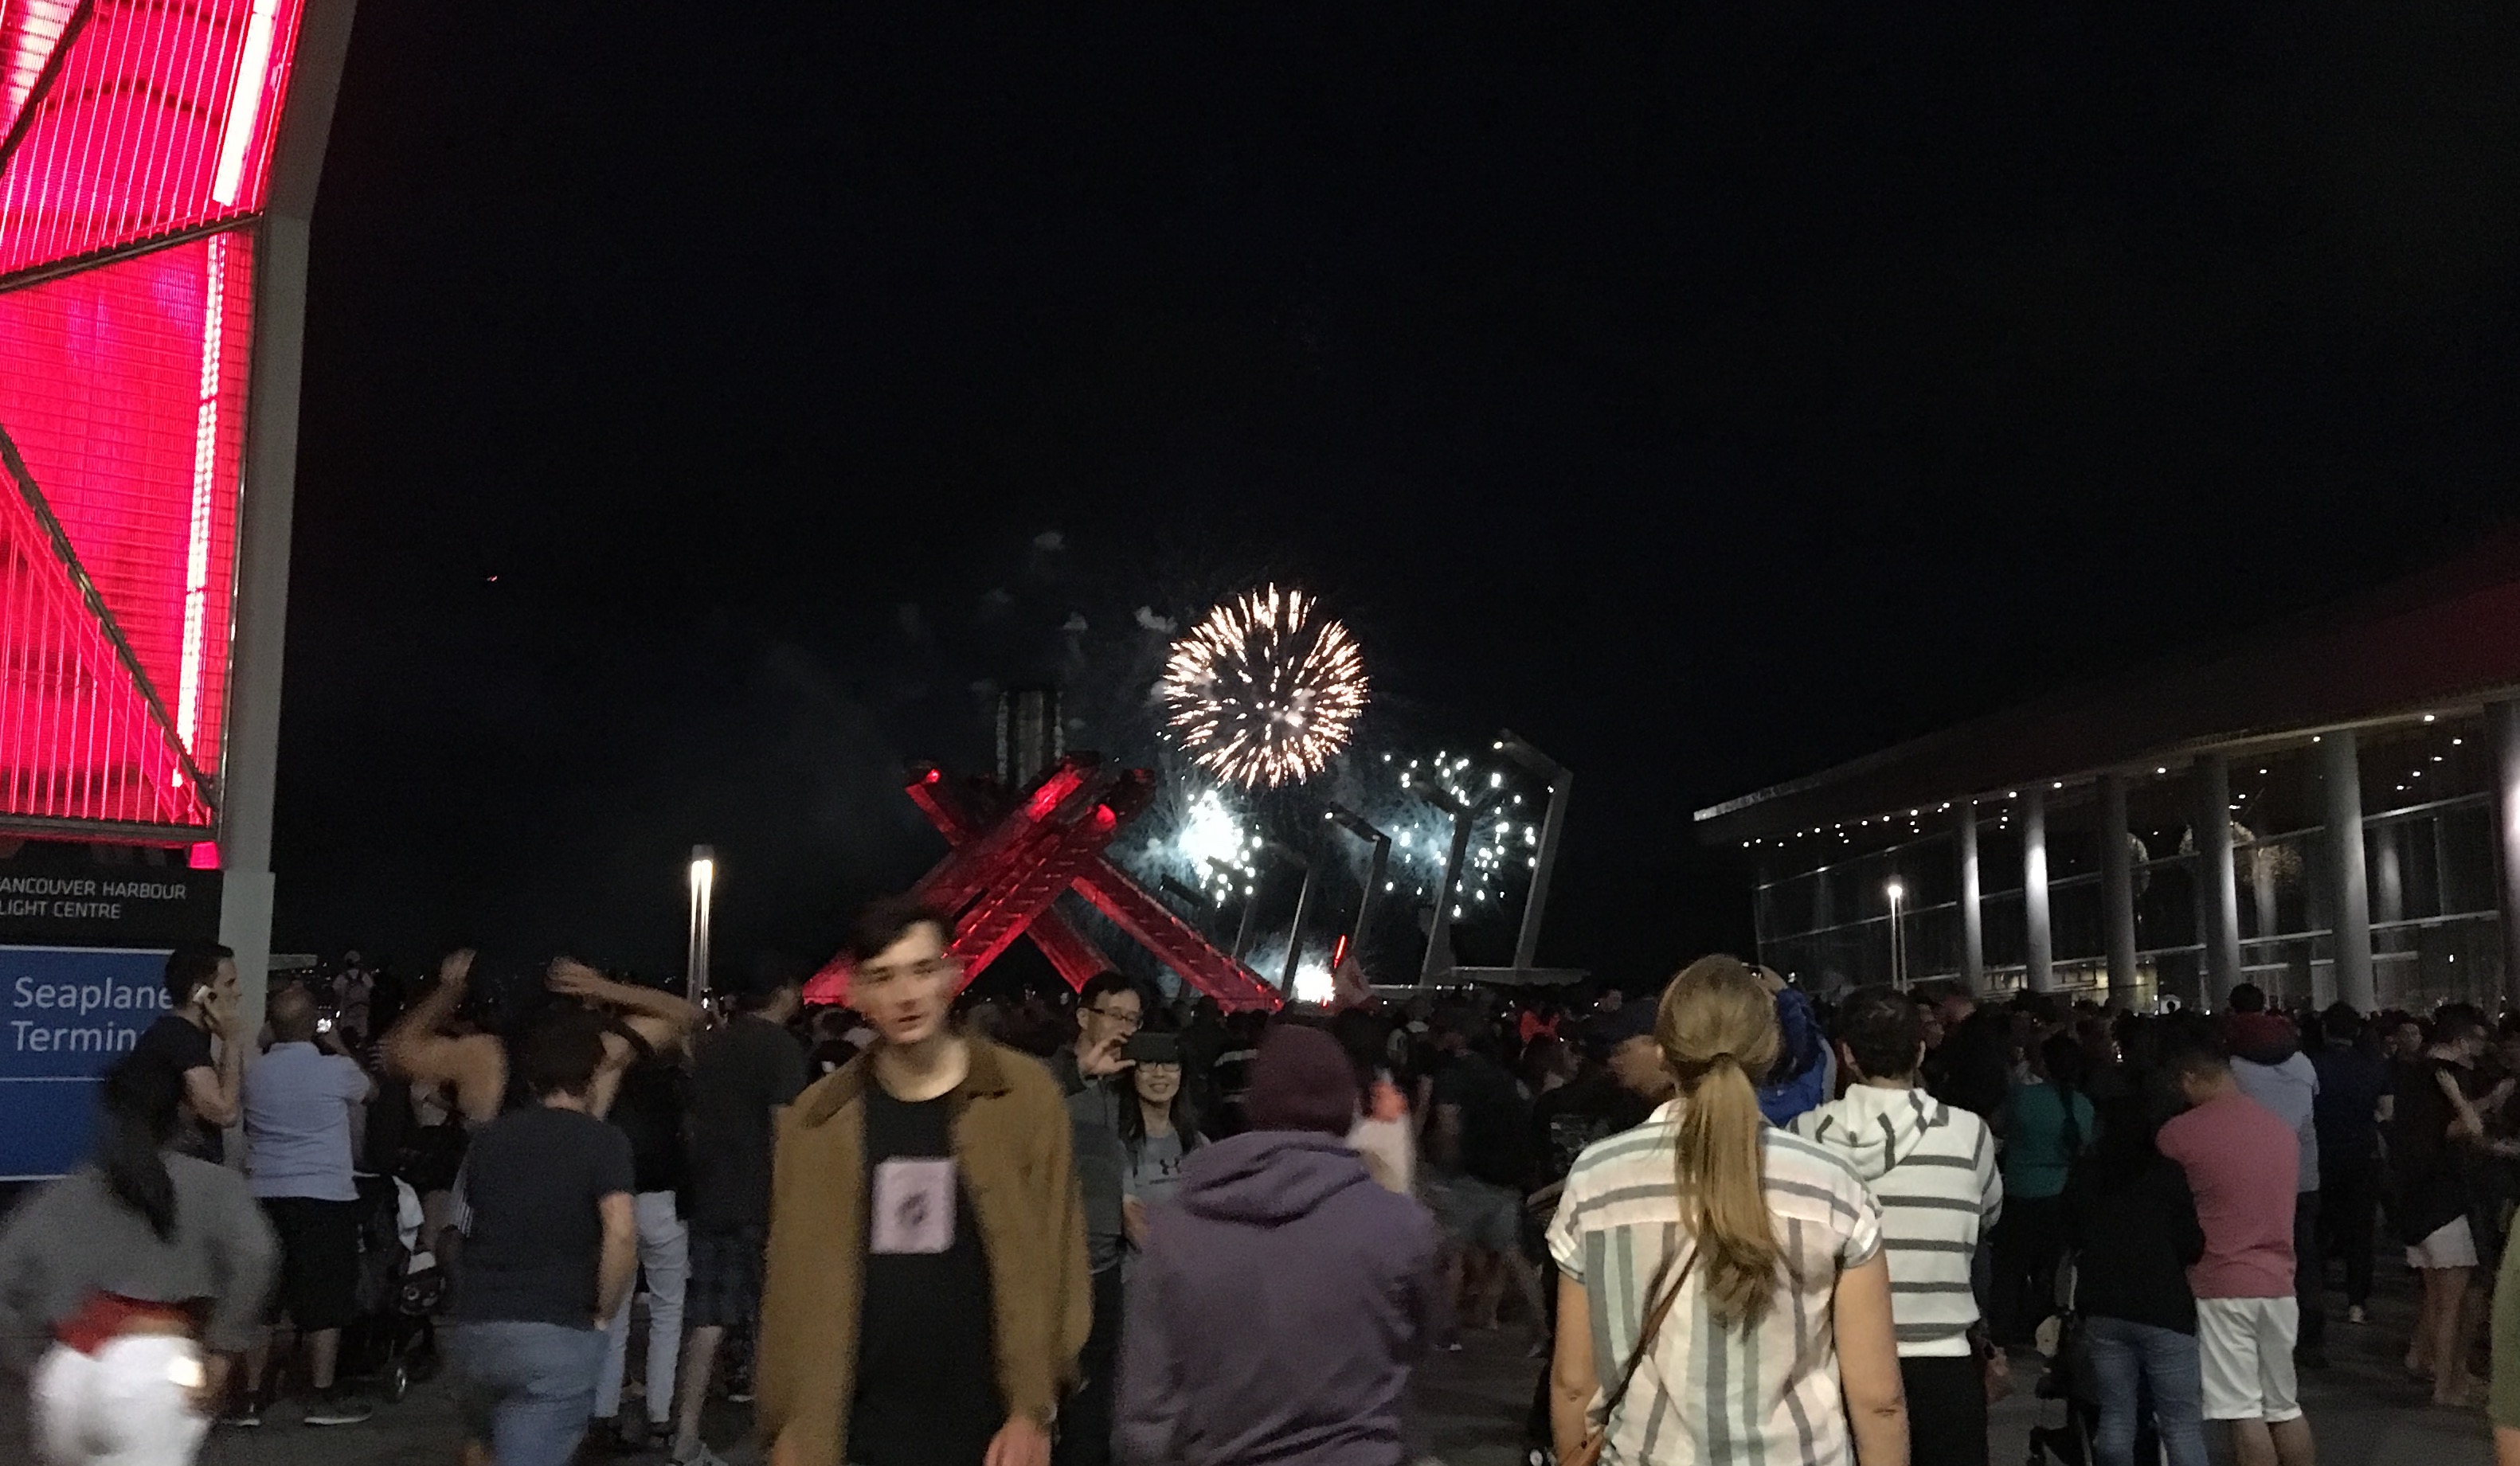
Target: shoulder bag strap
[[1654, 1317]]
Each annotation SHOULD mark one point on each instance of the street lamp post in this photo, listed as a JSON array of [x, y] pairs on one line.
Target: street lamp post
[[696, 962], [1898, 939]]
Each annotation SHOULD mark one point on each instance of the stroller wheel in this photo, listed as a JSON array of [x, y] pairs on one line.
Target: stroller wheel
[[397, 1382]]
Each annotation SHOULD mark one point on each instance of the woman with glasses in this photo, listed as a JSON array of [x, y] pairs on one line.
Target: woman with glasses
[[1157, 1131]]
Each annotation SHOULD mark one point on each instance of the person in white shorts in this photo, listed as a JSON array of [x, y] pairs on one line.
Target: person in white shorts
[[2242, 1164], [2433, 1130]]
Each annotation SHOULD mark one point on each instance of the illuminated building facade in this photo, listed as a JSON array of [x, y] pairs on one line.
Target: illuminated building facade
[[157, 169], [2329, 809]]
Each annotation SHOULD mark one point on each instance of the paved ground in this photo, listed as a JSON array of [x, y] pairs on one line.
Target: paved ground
[[1472, 1405]]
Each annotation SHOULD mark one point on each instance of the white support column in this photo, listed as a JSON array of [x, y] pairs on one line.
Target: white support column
[[2502, 727], [1972, 905], [2348, 891], [2039, 949], [2217, 883], [2117, 889], [250, 780]]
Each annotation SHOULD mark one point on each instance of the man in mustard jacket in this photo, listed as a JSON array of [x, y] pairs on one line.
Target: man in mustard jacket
[[927, 1292]]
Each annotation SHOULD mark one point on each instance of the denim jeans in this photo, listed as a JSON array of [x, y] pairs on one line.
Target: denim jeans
[[524, 1389], [664, 1261], [2133, 1361]]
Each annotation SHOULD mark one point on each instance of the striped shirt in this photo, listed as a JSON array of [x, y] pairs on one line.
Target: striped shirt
[[1707, 1391], [1932, 1169]]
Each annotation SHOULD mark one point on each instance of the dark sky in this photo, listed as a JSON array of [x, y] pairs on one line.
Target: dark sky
[[1709, 392]]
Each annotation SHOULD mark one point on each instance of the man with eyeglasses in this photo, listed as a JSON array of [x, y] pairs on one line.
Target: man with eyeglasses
[[927, 1293], [1110, 1011]]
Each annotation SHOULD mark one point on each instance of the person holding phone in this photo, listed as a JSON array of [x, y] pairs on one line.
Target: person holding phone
[[203, 1006]]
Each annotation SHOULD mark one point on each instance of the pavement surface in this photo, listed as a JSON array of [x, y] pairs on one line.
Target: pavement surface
[[1471, 1406]]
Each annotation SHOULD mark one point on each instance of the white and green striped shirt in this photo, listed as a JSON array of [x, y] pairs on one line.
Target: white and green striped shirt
[[1708, 1393]]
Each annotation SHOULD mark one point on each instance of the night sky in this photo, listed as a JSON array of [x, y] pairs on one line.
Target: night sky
[[705, 407]]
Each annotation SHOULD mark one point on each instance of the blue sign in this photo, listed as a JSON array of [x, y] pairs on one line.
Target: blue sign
[[67, 1014]]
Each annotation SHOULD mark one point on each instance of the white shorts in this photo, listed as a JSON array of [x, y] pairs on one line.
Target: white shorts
[[127, 1404], [2452, 1246], [2246, 1348]]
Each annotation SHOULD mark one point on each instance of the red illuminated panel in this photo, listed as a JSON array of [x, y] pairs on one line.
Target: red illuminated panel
[[78, 741], [156, 116], [122, 419]]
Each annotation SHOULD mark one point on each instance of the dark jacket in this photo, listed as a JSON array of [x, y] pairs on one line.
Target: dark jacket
[[1276, 1312], [2136, 1239]]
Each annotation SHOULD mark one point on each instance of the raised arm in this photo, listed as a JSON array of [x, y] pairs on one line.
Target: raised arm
[[657, 1016], [418, 1050]]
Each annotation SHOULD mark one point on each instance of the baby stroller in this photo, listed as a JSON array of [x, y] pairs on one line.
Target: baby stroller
[[2068, 1381], [393, 1341]]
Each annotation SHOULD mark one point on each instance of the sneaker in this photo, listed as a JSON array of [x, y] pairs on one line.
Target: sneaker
[[2355, 1315], [338, 1406], [245, 1415]]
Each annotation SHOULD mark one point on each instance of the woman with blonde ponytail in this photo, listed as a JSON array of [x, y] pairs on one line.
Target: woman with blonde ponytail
[[1723, 1294]]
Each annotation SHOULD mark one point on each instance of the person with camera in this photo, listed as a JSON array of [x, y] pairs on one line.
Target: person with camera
[[301, 1101]]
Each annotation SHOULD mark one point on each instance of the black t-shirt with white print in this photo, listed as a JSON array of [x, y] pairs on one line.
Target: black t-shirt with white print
[[927, 1379]]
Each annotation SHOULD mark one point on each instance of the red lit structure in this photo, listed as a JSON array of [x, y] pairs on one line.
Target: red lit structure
[[1010, 862], [136, 151]]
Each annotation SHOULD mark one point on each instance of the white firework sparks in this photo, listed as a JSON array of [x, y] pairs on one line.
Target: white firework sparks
[[1265, 691]]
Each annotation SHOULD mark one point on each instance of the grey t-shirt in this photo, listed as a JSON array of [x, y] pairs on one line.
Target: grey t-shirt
[[533, 1182], [1155, 1170]]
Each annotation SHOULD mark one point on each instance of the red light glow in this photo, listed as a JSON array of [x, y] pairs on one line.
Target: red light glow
[[157, 118], [125, 329]]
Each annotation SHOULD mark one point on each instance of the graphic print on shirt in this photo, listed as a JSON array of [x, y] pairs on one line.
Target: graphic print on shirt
[[914, 1208]]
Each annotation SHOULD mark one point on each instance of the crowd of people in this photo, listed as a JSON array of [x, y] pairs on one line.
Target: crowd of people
[[1731, 1222]]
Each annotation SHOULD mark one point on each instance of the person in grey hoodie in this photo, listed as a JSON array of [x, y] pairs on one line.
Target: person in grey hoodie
[[2268, 1064], [126, 1285], [1283, 1297], [1932, 1168]]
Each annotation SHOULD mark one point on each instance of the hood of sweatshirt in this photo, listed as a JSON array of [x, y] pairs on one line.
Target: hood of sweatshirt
[[2267, 1039], [1874, 1128], [1268, 1178]]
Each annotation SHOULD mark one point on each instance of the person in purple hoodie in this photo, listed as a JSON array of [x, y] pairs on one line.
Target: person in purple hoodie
[[1333, 1285]]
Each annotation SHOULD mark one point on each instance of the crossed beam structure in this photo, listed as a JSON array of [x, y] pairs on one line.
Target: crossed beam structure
[[1009, 863]]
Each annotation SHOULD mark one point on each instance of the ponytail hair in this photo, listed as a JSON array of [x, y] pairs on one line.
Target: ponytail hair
[[1717, 1028], [137, 1118]]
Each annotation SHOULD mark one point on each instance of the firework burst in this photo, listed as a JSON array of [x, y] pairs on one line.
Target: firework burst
[[1264, 692]]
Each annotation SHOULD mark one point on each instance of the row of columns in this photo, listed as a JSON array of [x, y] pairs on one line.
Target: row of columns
[[2346, 877]]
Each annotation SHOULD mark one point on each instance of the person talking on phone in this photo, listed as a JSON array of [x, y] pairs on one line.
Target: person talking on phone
[[203, 1006]]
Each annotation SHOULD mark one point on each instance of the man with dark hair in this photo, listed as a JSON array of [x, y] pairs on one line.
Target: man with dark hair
[[2243, 1166], [202, 1006], [1110, 1011], [928, 1288], [1283, 1296], [1483, 1149], [1932, 1167], [2351, 1105], [2248, 997], [302, 1098], [551, 1248], [743, 1076]]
